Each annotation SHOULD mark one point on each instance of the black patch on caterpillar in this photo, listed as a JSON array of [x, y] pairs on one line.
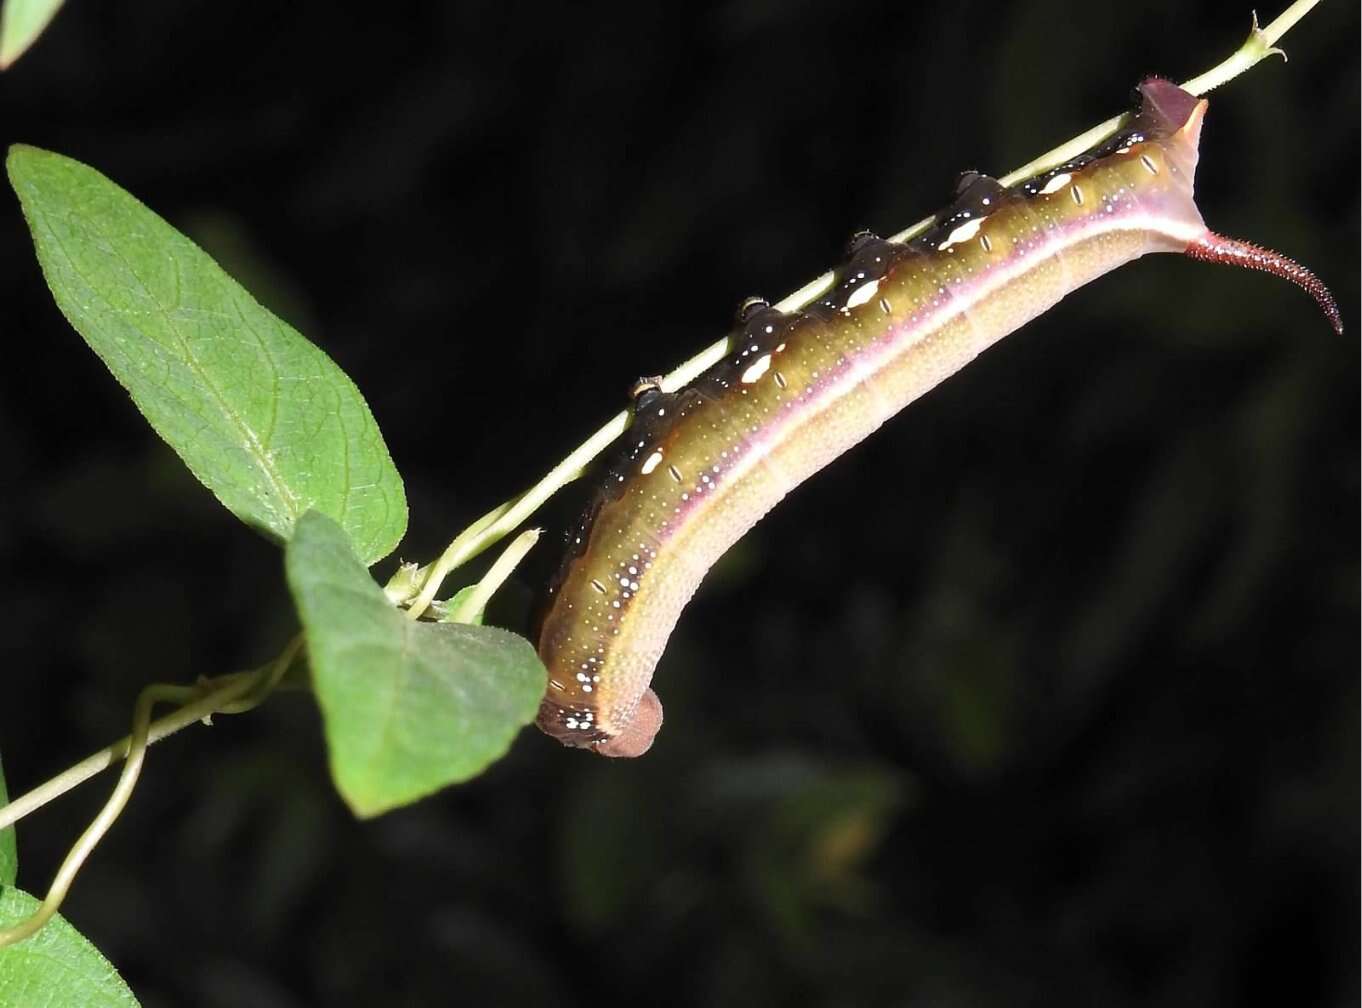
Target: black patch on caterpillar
[[976, 195], [655, 413], [763, 328], [1161, 109], [870, 258]]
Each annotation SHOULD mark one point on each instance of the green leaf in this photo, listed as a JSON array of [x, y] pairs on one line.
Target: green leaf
[[262, 417], [57, 966], [21, 22], [407, 707], [9, 855]]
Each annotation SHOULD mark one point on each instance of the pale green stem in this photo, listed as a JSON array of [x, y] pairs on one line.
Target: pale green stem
[[477, 599], [502, 520], [238, 692], [127, 780], [229, 694]]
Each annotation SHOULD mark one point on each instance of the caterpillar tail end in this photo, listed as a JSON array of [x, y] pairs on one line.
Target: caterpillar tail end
[[1215, 248]]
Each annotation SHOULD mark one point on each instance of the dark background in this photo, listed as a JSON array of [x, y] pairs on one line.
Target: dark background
[[1047, 693]]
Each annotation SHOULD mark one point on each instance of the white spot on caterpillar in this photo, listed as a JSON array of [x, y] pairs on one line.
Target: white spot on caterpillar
[[757, 369], [651, 463], [1148, 162], [963, 233], [862, 294], [1056, 184]]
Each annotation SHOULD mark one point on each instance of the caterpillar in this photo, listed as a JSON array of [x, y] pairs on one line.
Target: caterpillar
[[700, 466]]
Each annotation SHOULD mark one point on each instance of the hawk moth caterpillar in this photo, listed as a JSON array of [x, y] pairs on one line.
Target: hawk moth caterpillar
[[698, 467]]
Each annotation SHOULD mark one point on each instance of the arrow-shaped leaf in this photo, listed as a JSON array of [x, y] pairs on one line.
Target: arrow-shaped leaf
[[262, 417], [408, 707]]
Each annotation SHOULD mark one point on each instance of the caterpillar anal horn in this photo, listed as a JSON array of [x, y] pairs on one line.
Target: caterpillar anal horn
[[1215, 248]]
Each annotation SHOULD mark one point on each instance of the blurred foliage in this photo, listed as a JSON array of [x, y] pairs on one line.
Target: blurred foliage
[[1047, 693]]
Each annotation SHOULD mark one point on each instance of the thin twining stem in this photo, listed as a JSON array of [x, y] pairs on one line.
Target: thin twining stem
[[234, 693], [229, 694], [127, 780]]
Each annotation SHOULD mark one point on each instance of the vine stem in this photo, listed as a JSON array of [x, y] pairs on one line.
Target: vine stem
[[242, 691], [127, 780], [500, 521], [471, 608], [229, 694], [233, 694]]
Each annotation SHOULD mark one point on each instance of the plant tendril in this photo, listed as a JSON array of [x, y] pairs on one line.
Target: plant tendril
[[229, 694]]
